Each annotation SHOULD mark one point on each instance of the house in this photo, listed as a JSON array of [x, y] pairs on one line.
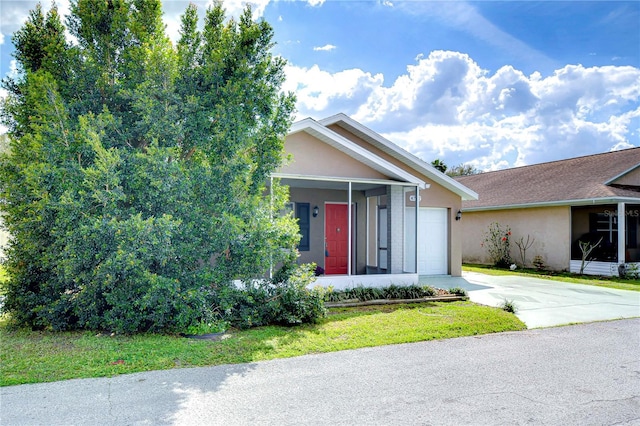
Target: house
[[560, 204], [369, 212]]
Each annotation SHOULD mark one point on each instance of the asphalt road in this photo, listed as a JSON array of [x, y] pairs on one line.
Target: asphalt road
[[587, 374]]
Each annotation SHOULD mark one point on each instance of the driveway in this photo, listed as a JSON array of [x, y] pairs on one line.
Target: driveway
[[547, 303]]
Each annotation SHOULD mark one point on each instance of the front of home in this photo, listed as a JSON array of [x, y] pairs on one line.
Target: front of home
[[354, 194], [591, 200]]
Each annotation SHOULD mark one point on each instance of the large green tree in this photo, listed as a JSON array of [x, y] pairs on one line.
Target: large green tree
[[136, 188]]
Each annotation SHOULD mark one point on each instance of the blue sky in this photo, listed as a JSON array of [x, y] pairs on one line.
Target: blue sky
[[494, 84]]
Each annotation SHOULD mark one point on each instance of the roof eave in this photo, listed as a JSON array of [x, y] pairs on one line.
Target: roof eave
[[560, 203], [406, 157]]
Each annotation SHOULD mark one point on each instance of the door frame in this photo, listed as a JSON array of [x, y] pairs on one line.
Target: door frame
[[351, 250]]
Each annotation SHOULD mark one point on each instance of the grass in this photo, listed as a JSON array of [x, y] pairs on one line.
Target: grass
[[610, 282], [39, 356]]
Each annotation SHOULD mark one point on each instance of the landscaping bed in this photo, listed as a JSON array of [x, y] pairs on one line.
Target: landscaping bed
[[355, 302]]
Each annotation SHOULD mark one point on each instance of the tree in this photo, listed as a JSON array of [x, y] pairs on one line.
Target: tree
[[462, 170], [134, 187], [439, 164]]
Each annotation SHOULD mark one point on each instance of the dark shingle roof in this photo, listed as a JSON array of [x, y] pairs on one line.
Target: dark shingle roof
[[575, 179]]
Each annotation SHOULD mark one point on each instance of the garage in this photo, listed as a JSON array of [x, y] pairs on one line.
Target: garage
[[432, 241]]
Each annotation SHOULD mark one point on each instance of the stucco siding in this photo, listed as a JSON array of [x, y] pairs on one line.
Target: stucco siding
[[631, 178], [550, 227], [310, 156]]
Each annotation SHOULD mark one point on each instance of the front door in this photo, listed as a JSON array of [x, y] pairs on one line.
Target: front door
[[336, 239]]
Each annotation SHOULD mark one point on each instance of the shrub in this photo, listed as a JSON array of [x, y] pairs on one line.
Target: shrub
[[538, 262], [134, 201], [364, 294], [459, 291], [497, 243], [509, 306], [285, 300], [629, 270], [523, 246]]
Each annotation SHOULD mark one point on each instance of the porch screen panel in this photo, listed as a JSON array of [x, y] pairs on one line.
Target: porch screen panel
[[632, 252], [372, 231], [382, 238]]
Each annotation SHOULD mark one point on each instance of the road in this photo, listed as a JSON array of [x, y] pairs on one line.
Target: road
[[587, 374]]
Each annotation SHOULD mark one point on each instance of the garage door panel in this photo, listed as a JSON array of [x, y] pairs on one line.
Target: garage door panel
[[433, 244]]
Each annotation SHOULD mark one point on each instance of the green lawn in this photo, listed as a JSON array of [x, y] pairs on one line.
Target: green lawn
[[611, 282], [30, 357]]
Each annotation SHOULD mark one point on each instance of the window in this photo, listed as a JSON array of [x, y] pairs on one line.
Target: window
[[303, 216]]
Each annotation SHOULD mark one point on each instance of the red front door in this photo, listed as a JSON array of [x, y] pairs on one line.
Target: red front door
[[336, 239]]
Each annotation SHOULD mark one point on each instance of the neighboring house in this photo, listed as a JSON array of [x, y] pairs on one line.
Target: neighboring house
[[354, 194], [559, 204]]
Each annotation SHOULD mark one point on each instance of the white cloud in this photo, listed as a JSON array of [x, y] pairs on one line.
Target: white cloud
[[1, 39], [15, 13], [315, 3], [319, 91], [236, 7], [325, 48], [445, 106]]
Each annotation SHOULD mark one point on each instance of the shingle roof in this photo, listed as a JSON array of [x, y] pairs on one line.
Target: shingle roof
[[559, 182]]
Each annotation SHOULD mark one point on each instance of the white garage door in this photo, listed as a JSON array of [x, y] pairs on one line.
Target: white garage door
[[433, 242]]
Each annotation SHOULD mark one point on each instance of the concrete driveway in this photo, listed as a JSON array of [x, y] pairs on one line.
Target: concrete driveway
[[546, 303]]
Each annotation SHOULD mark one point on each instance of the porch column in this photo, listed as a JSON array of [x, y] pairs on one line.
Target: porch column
[[395, 229], [622, 235], [350, 239], [417, 236]]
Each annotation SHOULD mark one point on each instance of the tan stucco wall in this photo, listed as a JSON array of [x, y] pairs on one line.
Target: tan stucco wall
[[310, 156], [551, 228], [631, 178]]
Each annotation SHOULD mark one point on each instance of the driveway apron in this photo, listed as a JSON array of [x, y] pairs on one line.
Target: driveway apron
[[546, 303]]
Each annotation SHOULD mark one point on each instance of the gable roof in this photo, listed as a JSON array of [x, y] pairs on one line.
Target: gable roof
[[355, 151], [576, 181], [400, 154]]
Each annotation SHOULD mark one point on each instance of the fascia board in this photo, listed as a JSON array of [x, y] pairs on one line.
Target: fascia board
[[403, 155], [566, 203], [355, 151], [341, 179]]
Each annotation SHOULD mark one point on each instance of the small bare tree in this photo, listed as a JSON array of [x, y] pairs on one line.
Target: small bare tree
[[523, 246], [586, 248]]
